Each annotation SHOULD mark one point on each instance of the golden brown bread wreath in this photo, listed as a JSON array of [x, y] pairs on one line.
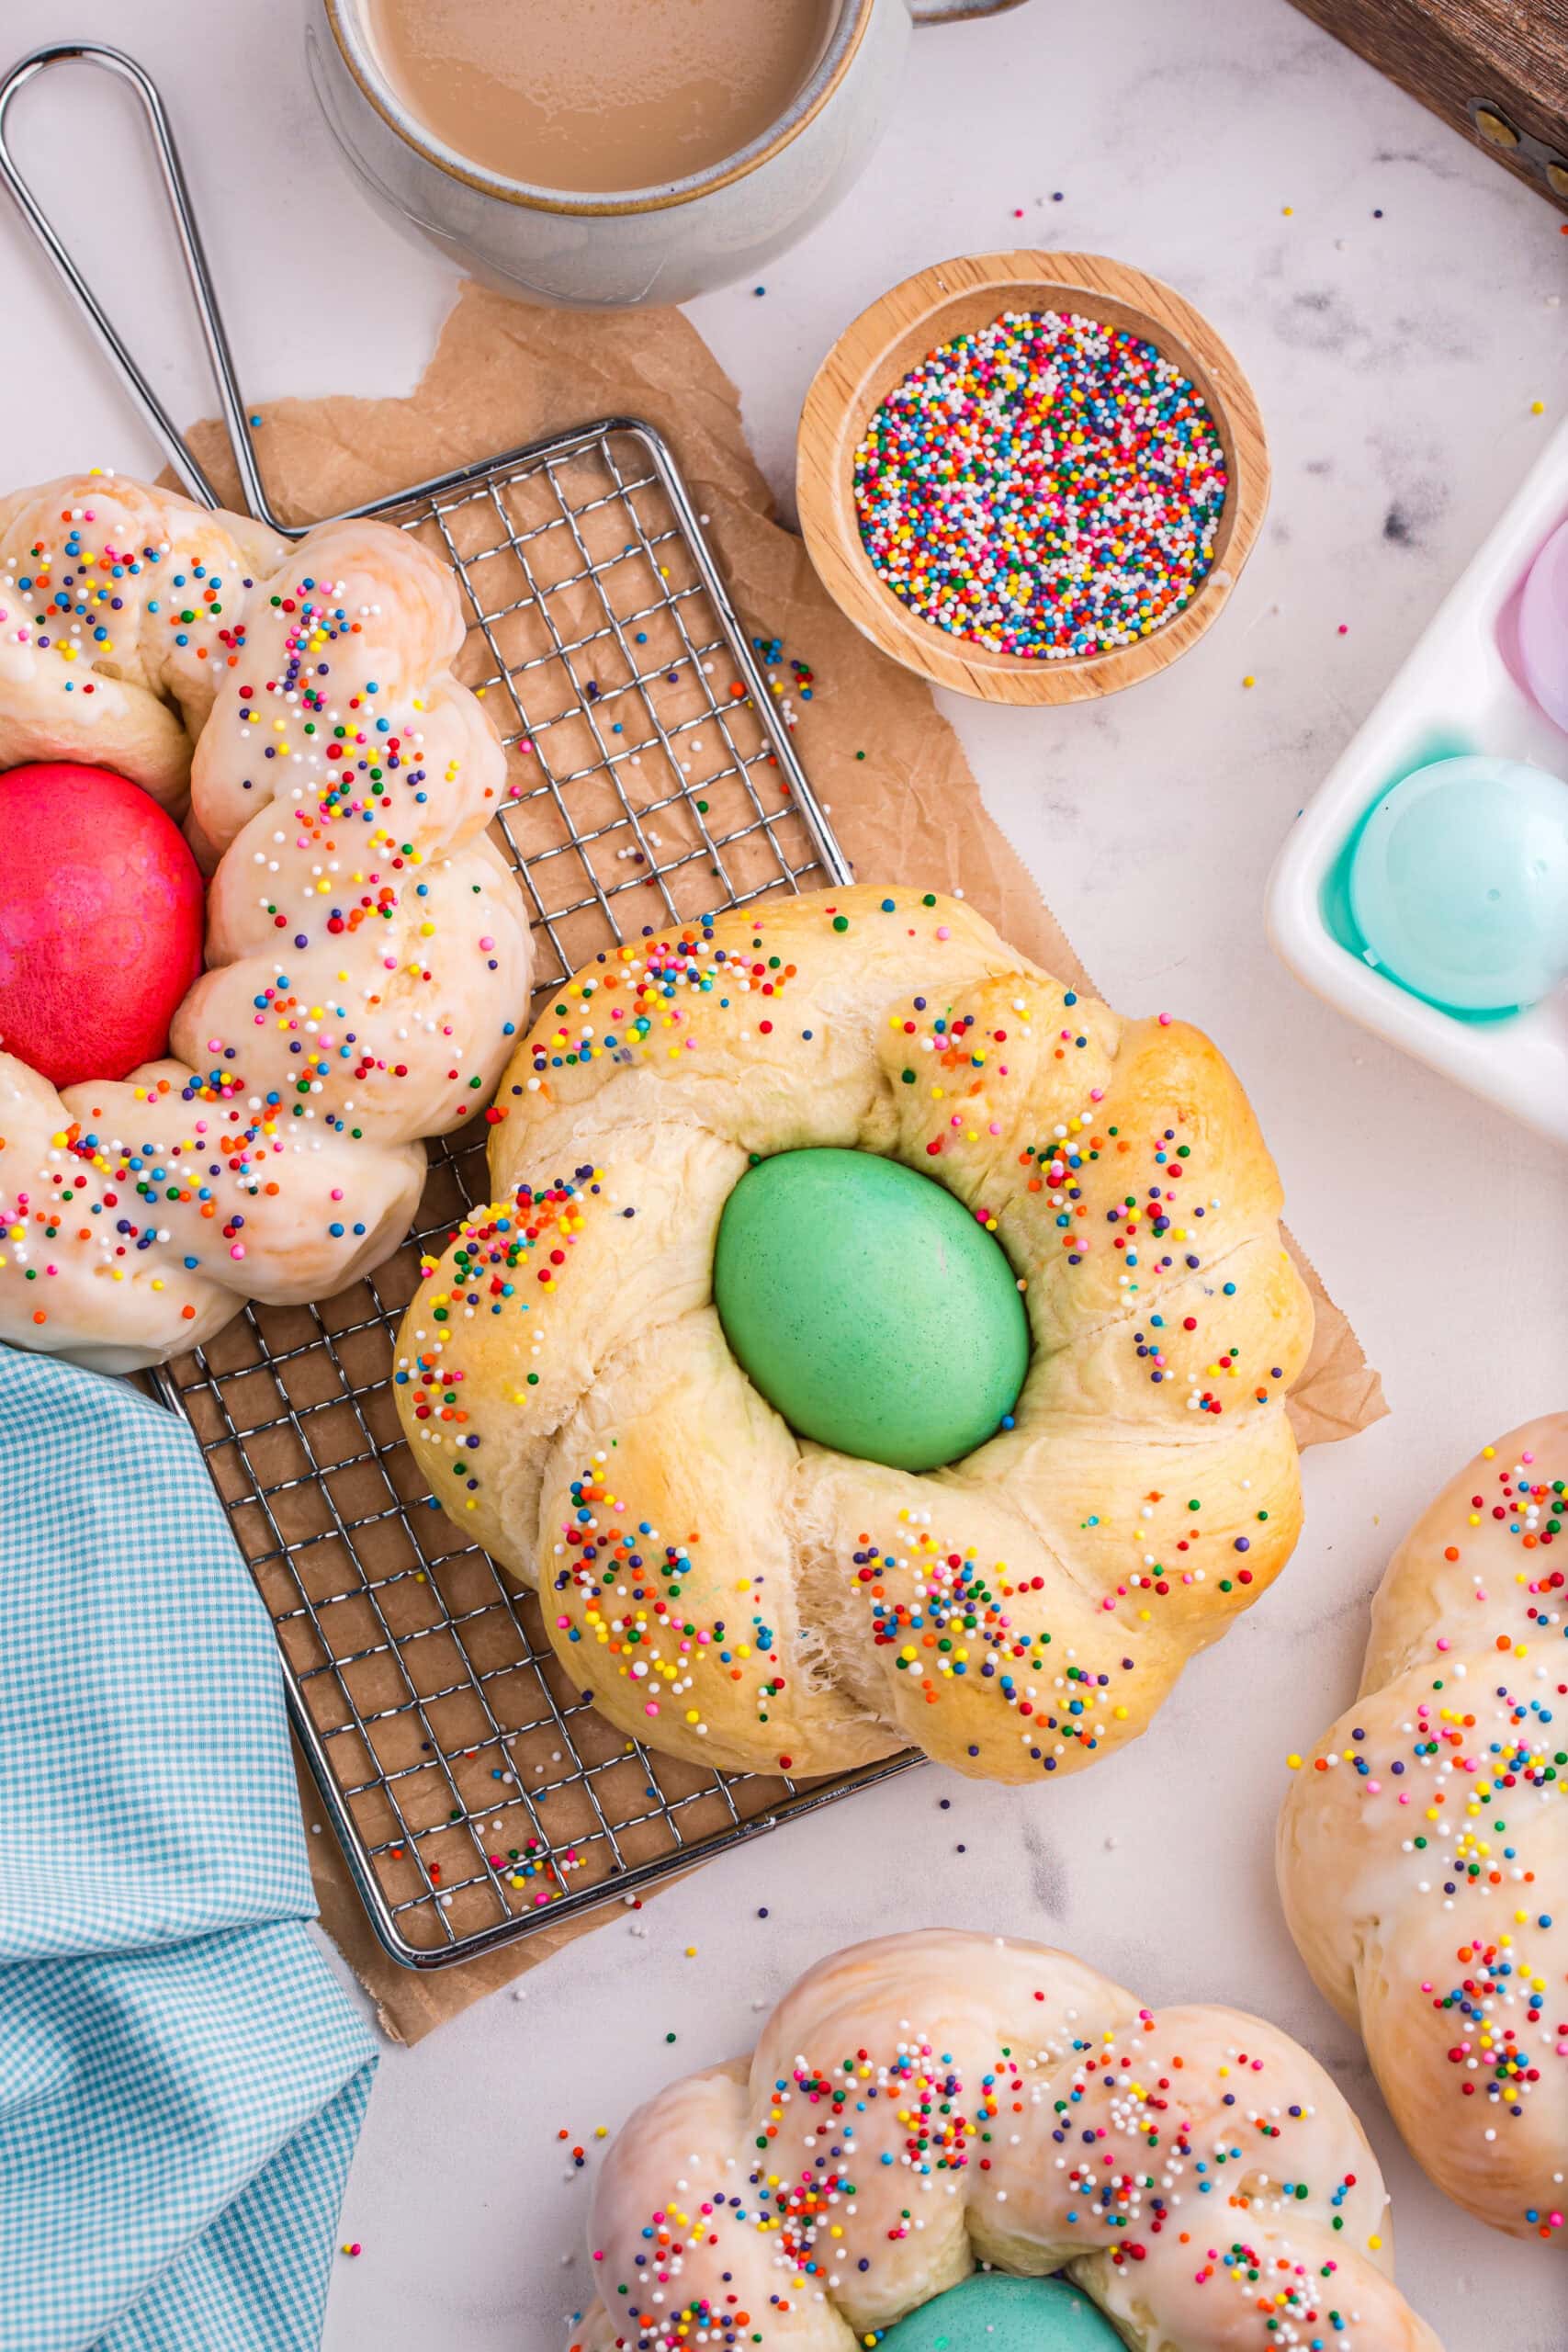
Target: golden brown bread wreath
[[903, 2117], [732, 1594], [1423, 1847]]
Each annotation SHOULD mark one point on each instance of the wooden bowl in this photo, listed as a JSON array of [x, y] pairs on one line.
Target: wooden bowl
[[954, 298]]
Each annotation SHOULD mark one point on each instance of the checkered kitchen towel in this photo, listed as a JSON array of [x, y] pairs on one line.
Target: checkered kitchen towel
[[181, 2078]]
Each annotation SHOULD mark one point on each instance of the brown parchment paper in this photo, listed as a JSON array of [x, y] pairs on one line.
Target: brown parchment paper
[[505, 373]]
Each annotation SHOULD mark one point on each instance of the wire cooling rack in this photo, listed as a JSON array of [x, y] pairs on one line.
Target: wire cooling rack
[[478, 1794]]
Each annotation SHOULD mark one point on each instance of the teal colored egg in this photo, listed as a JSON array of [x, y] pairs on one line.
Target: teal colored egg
[[992, 2313], [1459, 883], [869, 1306]]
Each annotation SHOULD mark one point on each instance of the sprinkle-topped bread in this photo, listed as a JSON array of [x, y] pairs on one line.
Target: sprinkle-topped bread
[[366, 957], [749, 1595], [1423, 1847], [928, 2103]]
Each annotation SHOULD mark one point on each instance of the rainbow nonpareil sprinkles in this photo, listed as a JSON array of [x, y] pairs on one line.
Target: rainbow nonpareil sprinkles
[[1047, 486]]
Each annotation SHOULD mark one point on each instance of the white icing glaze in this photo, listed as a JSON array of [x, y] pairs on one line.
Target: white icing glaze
[[924, 2103], [368, 960], [1424, 1846]]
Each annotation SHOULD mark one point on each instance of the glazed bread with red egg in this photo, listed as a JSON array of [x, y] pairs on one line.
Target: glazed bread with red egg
[[368, 959]]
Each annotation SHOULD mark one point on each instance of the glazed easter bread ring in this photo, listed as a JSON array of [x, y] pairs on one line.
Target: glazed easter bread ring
[[366, 952], [1423, 1845], [923, 2104], [732, 1593]]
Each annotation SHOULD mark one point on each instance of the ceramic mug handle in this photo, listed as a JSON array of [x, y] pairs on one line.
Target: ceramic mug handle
[[953, 12]]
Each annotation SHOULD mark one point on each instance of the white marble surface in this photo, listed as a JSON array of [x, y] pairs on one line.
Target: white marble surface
[[1395, 360]]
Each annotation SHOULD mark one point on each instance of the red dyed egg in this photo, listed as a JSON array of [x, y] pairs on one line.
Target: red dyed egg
[[101, 922]]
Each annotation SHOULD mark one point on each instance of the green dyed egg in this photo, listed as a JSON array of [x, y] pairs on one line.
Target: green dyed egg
[[869, 1306], [991, 2313]]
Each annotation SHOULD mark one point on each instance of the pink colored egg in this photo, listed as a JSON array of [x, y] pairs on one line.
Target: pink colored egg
[[1543, 627], [101, 917]]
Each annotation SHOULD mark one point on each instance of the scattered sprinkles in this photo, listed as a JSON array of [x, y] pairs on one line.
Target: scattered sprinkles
[[801, 677], [626, 1582], [952, 1603]]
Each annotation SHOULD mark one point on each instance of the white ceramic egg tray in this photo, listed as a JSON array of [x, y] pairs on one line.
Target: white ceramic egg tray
[[1461, 691]]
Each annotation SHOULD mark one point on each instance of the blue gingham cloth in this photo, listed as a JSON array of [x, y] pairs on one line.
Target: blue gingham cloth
[[182, 2078]]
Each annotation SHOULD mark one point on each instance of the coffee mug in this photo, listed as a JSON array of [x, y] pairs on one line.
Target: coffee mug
[[661, 244]]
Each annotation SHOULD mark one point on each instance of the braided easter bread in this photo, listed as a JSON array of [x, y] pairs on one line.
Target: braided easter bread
[[1423, 1847], [735, 1594], [927, 2102], [367, 951]]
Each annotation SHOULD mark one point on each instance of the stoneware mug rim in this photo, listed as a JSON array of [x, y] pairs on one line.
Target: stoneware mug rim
[[346, 23]]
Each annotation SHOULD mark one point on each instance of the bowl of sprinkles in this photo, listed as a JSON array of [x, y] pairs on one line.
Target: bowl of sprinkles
[[1034, 476]]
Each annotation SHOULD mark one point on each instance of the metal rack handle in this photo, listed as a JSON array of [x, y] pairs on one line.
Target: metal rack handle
[[220, 358]]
